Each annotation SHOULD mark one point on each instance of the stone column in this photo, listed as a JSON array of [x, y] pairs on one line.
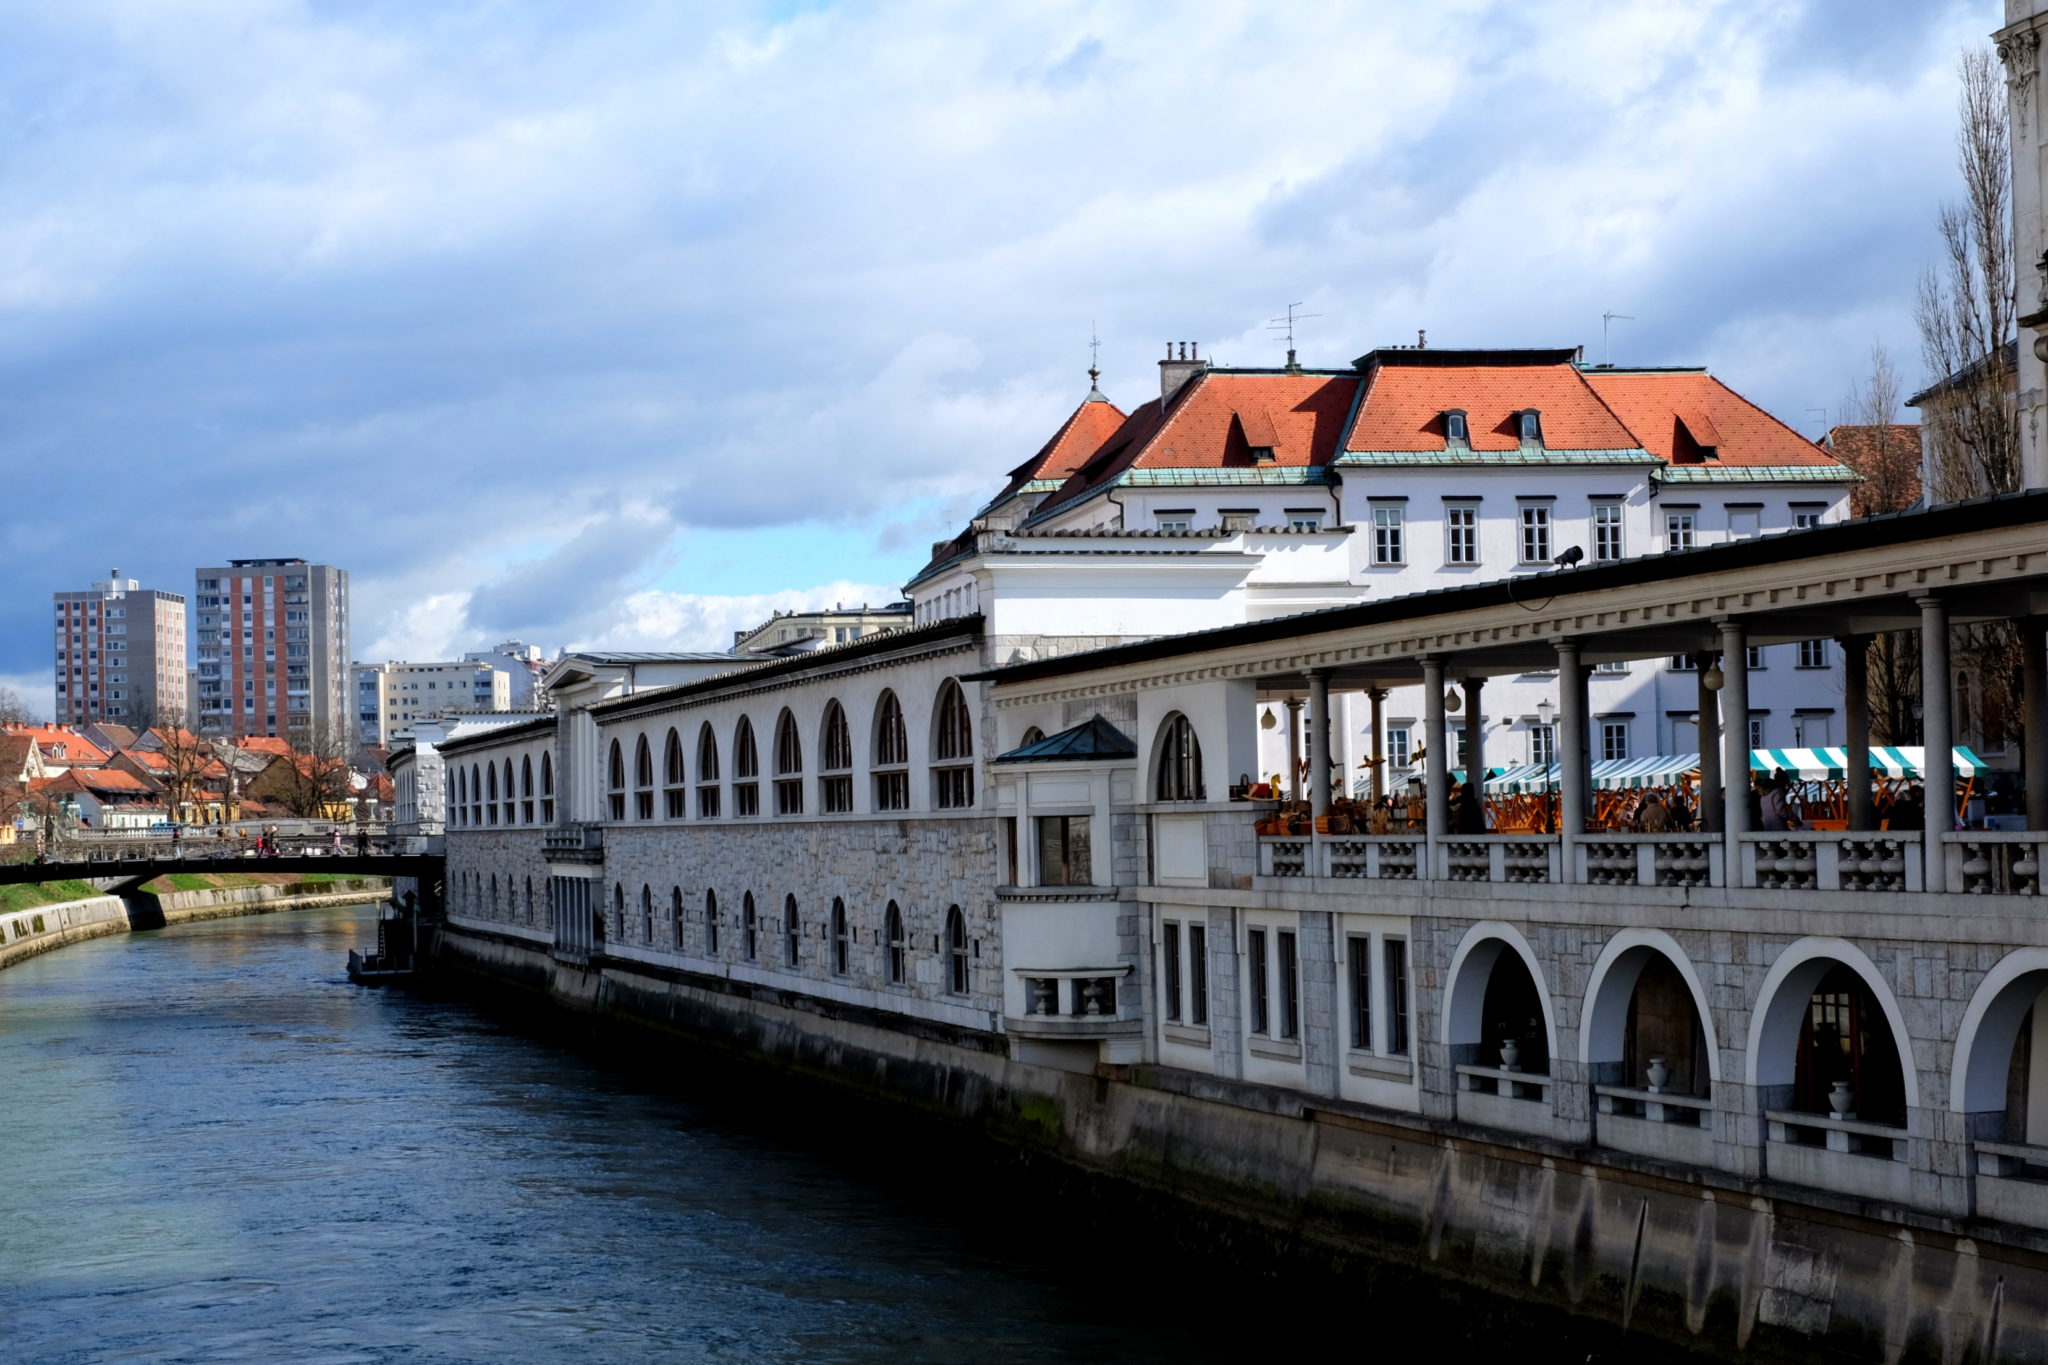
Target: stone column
[[1436, 763], [2034, 713], [1937, 733], [1378, 749], [1319, 741], [1734, 739], [1475, 742], [1572, 775], [1294, 748], [1856, 729], [1708, 736]]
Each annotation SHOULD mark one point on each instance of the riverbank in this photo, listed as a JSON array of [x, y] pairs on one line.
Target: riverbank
[[36, 919], [1610, 1243]]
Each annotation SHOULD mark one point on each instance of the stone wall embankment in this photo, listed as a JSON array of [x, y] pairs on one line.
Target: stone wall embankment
[[1720, 1265], [183, 907], [26, 933], [39, 929]]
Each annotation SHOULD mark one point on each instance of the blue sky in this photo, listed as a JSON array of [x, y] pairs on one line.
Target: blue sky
[[626, 323]]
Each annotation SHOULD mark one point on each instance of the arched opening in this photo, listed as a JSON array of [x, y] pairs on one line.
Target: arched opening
[[746, 770], [476, 796], [835, 761], [1032, 735], [898, 945], [615, 781], [672, 776], [526, 789], [789, 766], [1643, 1028], [509, 808], [1828, 1040], [749, 927], [491, 786], [643, 780], [707, 773], [675, 916], [460, 797], [952, 749], [1177, 775], [710, 923], [529, 900], [957, 977], [647, 914], [842, 950], [1496, 1014], [547, 788], [2002, 1041], [792, 933], [891, 755]]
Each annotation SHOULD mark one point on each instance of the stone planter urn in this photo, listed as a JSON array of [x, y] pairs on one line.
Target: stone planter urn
[[1510, 1055], [1841, 1101], [1660, 1073]]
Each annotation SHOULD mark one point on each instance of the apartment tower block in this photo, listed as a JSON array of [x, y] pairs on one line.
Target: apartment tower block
[[120, 654], [273, 649]]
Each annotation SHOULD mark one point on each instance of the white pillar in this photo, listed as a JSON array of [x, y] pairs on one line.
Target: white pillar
[[1436, 764], [1734, 738], [1319, 741], [1937, 733], [1572, 775]]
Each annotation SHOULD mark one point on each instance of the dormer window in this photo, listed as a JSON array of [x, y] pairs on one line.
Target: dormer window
[[1529, 426], [1455, 430], [1262, 454]]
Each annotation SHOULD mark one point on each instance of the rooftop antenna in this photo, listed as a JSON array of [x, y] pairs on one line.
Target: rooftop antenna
[[1286, 325], [1606, 342], [1823, 419]]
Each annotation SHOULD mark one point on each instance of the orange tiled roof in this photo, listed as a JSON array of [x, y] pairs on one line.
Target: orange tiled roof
[[269, 744], [77, 749], [1404, 407], [1674, 413], [1079, 437]]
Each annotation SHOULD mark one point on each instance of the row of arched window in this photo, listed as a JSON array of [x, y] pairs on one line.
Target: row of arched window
[[633, 788], [838, 932], [477, 797]]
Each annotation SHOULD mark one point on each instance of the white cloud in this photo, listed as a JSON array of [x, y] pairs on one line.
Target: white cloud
[[38, 691], [686, 621]]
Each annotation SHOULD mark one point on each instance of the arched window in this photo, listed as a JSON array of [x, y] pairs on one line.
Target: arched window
[[789, 766], [711, 923], [618, 911], [750, 940], [643, 780], [707, 772], [792, 933], [953, 750], [672, 776], [892, 756], [842, 952], [615, 781], [835, 762], [1179, 772], [675, 915], [491, 787], [494, 896], [647, 914], [746, 770], [956, 951], [529, 900], [595, 905], [892, 931], [1031, 737], [509, 814], [476, 795], [461, 797], [526, 789], [547, 788]]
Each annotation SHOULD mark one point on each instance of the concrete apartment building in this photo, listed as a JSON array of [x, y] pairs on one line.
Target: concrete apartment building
[[120, 653], [526, 665], [273, 648], [390, 697], [809, 629]]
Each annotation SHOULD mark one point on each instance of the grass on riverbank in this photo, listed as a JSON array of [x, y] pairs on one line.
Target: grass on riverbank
[[220, 881], [31, 894]]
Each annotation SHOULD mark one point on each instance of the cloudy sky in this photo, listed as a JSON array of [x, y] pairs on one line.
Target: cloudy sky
[[619, 323]]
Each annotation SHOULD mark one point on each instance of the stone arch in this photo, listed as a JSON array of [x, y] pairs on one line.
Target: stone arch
[[1611, 986], [1990, 1029], [1465, 990], [1780, 1011]]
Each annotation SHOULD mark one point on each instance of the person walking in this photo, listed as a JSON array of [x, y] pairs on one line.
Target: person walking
[[362, 842]]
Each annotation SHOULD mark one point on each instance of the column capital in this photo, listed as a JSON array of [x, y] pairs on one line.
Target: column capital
[[1474, 683], [1929, 598], [1376, 694]]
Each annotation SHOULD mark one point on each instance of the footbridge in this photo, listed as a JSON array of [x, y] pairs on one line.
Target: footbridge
[[121, 867]]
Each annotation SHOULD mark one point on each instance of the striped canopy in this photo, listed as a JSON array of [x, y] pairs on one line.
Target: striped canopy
[[1398, 783], [1665, 770], [1904, 760]]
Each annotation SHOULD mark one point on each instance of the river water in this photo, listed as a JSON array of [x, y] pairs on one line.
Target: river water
[[213, 1148]]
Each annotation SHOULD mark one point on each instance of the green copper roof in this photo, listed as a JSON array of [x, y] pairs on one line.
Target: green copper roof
[[1536, 455]]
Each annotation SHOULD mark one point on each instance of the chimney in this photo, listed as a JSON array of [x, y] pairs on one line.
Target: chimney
[[1178, 369]]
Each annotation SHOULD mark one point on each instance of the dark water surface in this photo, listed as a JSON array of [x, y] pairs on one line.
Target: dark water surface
[[213, 1148]]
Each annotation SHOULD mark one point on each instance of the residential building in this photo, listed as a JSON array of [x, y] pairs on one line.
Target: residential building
[[273, 648], [390, 697], [120, 653], [525, 665], [787, 630]]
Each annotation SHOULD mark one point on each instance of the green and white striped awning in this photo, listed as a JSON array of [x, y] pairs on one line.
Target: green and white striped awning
[[1900, 760]]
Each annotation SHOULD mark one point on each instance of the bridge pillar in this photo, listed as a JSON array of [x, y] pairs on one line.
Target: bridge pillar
[[1937, 733], [1734, 738], [1856, 734]]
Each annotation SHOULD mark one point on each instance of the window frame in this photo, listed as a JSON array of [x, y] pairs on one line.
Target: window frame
[[1389, 534], [953, 748], [1177, 767], [1461, 534], [1609, 517], [1535, 532]]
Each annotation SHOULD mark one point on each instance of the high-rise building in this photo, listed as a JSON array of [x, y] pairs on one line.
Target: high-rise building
[[391, 697], [120, 654], [273, 649]]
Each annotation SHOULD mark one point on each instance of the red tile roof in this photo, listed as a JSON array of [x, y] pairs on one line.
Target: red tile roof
[[1081, 435], [268, 744], [1674, 413], [77, 749], [1404, 407]]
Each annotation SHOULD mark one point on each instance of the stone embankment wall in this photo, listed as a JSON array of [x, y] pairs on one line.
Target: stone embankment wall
[[1724, 1266], [25, 933]]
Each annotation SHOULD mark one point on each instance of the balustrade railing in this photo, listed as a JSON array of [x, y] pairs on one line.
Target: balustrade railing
[[1994, 862]]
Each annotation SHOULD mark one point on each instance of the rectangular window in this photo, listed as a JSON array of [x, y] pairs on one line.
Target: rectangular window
[[1397, 996], [1543, 744], [1198, 974], [1682, 663], [1805, 518], [1613, 739], [1756, 732], [707, 803], [1360, 952], [1461, 533], [1813, 653], [746, 798], [1606, 531], [643, 805], [1255, 970], [1678, 531], [837, 793], [892, 791], [955, 787], [1063, 851], [1169, 947], [789, 796], [1755, 656], [1535, 533], [1388, 523], [1398, 749], [1612, 666], [1176, 521], [1290, 984]]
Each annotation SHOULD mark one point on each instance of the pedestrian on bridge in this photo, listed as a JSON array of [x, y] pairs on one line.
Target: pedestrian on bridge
[[362, 842]]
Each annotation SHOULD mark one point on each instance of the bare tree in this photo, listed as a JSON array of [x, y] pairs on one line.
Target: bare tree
[[1966, 308], [1887, 456], [13, 710], [314, 780], [188, 758]]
